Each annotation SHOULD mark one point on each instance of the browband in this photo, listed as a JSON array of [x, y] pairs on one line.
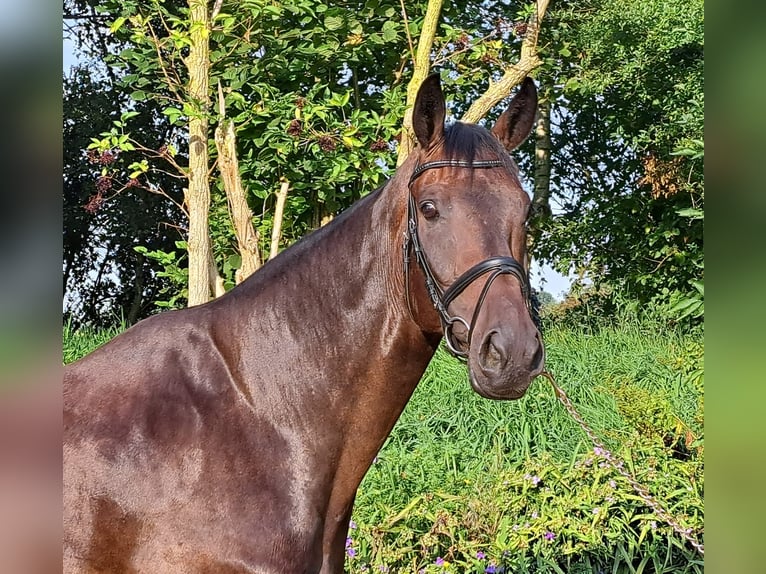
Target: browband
[[481, 163]]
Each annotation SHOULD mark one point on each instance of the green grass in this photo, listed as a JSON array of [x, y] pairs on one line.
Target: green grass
[[455, 478]]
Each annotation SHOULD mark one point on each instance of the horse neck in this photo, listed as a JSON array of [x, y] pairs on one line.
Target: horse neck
[[338, 299]]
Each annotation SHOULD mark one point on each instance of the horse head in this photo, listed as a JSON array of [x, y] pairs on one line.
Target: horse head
[[466, 239]]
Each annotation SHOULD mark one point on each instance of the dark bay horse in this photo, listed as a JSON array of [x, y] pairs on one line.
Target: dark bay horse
[[232, 436]]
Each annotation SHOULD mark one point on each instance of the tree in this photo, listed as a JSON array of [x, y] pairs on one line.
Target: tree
[[104, 277], [626, 80], [313, 95]]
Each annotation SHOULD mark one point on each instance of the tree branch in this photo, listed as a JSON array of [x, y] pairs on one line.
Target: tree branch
[[279, 209], [515, 73], [239, 211]]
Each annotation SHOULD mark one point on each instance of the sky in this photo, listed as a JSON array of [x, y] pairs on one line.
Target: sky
[[544, 278]]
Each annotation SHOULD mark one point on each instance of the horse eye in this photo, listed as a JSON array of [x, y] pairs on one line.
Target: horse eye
[[428, 209]]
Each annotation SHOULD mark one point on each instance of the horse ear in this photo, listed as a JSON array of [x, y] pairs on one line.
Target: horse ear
[[429, 112], [515, 123]]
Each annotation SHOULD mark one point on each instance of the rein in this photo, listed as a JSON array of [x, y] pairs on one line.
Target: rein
[[617, 464], [494, 266]]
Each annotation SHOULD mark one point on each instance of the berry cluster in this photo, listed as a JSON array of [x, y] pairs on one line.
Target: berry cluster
[[378, 145], [327, 143], [295, 128], [103, 158]]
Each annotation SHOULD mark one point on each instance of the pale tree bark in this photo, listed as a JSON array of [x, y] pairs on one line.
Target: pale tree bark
[[279, 210], [216, 281], [198, 193], [239, 211], [320, 217], [541, 209], [542, 191], [514, 73], [421, 67]]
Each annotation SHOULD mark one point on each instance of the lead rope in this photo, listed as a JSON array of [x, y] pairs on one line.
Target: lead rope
[[618, 465]]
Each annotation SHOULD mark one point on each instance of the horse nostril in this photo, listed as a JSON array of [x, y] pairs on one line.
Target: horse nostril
[[492, 357]]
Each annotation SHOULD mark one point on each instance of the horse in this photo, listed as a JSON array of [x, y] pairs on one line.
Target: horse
[[231, 437]]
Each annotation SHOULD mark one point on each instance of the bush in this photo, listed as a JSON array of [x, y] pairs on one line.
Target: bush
[[469, 485]]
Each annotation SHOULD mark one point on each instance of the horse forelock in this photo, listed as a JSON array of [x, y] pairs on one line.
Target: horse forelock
[[469, 142]]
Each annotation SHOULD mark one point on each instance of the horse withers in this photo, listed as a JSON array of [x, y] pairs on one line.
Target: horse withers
[[232, 436]]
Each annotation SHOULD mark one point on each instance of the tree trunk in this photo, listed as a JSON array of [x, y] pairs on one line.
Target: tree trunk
[[198, 192], [239, 211], [421, 66], [541, 209], [215, 280], [138, 292], [542, 193], [279, 210]]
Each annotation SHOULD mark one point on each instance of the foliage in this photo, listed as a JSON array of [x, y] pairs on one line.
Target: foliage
[[465, 484], [78, 342], [103, 276], [626, 81], [316, 94], [545, 299], [468, 485]]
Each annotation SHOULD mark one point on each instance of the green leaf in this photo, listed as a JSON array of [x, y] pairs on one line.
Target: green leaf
[[351, 141], [333, 23], [173, 114], [389, 31], [117, 24], [691, 212]]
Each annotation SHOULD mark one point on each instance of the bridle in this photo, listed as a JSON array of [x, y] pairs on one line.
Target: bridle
[[494, 266]]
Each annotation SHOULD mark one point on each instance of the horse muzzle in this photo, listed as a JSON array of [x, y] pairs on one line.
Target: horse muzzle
[[502, 363]]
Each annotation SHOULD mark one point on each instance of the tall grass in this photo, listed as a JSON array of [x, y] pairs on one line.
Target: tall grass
[[80, 342], [466, 484], [517, 483]]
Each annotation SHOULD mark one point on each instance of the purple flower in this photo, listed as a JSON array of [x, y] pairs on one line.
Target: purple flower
[[351, 552], [491, 569], [595, 510], [549, 535], [439, 561], [480, 555], [533, 478], [534, 514], [349, 542], [352, 525]]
